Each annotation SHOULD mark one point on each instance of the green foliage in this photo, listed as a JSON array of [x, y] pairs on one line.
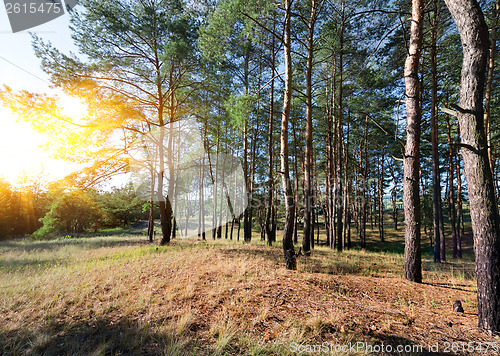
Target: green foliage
[[230, 24], [239, 108], [120, 206], [10, 210], [74, 212], [22, 206]]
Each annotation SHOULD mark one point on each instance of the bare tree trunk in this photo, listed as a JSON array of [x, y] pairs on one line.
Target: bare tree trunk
[[340, 137], [252, 178], [381, 198], [460, 215], [215, 186], [176, 167], [346, 192], [484, 211], [394, 196], [271, 234], [308, 194], [247, 223], [370, 202], [363, 187], [295, 183], [330, 224], [202, 195], [288, 248], [168, 212], [425, 217], [411, 196], [489, 81], [222, 201], [163, 203], [451, 188], [151, 221], [436, 177]]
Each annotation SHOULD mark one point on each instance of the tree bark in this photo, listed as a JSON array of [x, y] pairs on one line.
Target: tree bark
[[308, 196], [484, 211], [247, 223], [489, 81], [394, 196], [436, 177], [330, 174], [151, 221], [364, 215], [339, 139], [381, 197], [271, 234], [163, 203], [215, 187], [460, 215], [288, 248], [346, 193], [451, 188], [411, 196], [295, 182]]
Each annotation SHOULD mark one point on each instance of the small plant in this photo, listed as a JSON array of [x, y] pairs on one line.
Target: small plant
[[185, 321], [224, 330]]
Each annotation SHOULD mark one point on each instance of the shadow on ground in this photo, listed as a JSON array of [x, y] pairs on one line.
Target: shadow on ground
[[322, 261], [101, 336]]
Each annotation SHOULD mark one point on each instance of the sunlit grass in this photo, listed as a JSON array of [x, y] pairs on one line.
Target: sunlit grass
[[121, 294]]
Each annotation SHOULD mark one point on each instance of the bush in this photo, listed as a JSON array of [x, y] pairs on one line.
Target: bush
[[121, 206], [73, 212]]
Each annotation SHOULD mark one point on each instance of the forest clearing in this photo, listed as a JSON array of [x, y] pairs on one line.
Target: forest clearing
[[122, 295]]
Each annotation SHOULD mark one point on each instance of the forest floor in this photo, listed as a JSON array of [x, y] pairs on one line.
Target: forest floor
[[120, 295]]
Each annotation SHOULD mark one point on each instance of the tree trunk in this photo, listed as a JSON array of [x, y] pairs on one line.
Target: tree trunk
[[451, 188], [295, 183], [247, 223], [381, 198], [460, 215], [364, 215], [151, 220], [340, 138], [215, 187], [394, 196], [346, 193], [330, 223], [222, 201], [202, 195], [489, 81], [271, 234], [174, 192], [484, 211], [288, 248], [163, 203], [308, 196], [436, 177], [411, 164]]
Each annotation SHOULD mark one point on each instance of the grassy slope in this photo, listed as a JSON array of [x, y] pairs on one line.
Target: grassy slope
[[120, 295]]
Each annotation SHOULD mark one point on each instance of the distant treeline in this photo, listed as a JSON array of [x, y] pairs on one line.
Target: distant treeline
[[32, 209]]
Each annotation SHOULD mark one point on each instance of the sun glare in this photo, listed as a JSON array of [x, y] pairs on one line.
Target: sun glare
[[21, 152], [72, 107]]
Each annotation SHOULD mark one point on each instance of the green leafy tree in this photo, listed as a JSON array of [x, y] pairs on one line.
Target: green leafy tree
[[10, 211], [136, 63], [120, 206], [74, 212]]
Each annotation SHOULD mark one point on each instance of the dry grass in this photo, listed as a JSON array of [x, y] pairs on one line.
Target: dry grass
[[120, 295]]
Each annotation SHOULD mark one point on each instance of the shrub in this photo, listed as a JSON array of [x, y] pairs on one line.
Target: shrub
[[73, 212]]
